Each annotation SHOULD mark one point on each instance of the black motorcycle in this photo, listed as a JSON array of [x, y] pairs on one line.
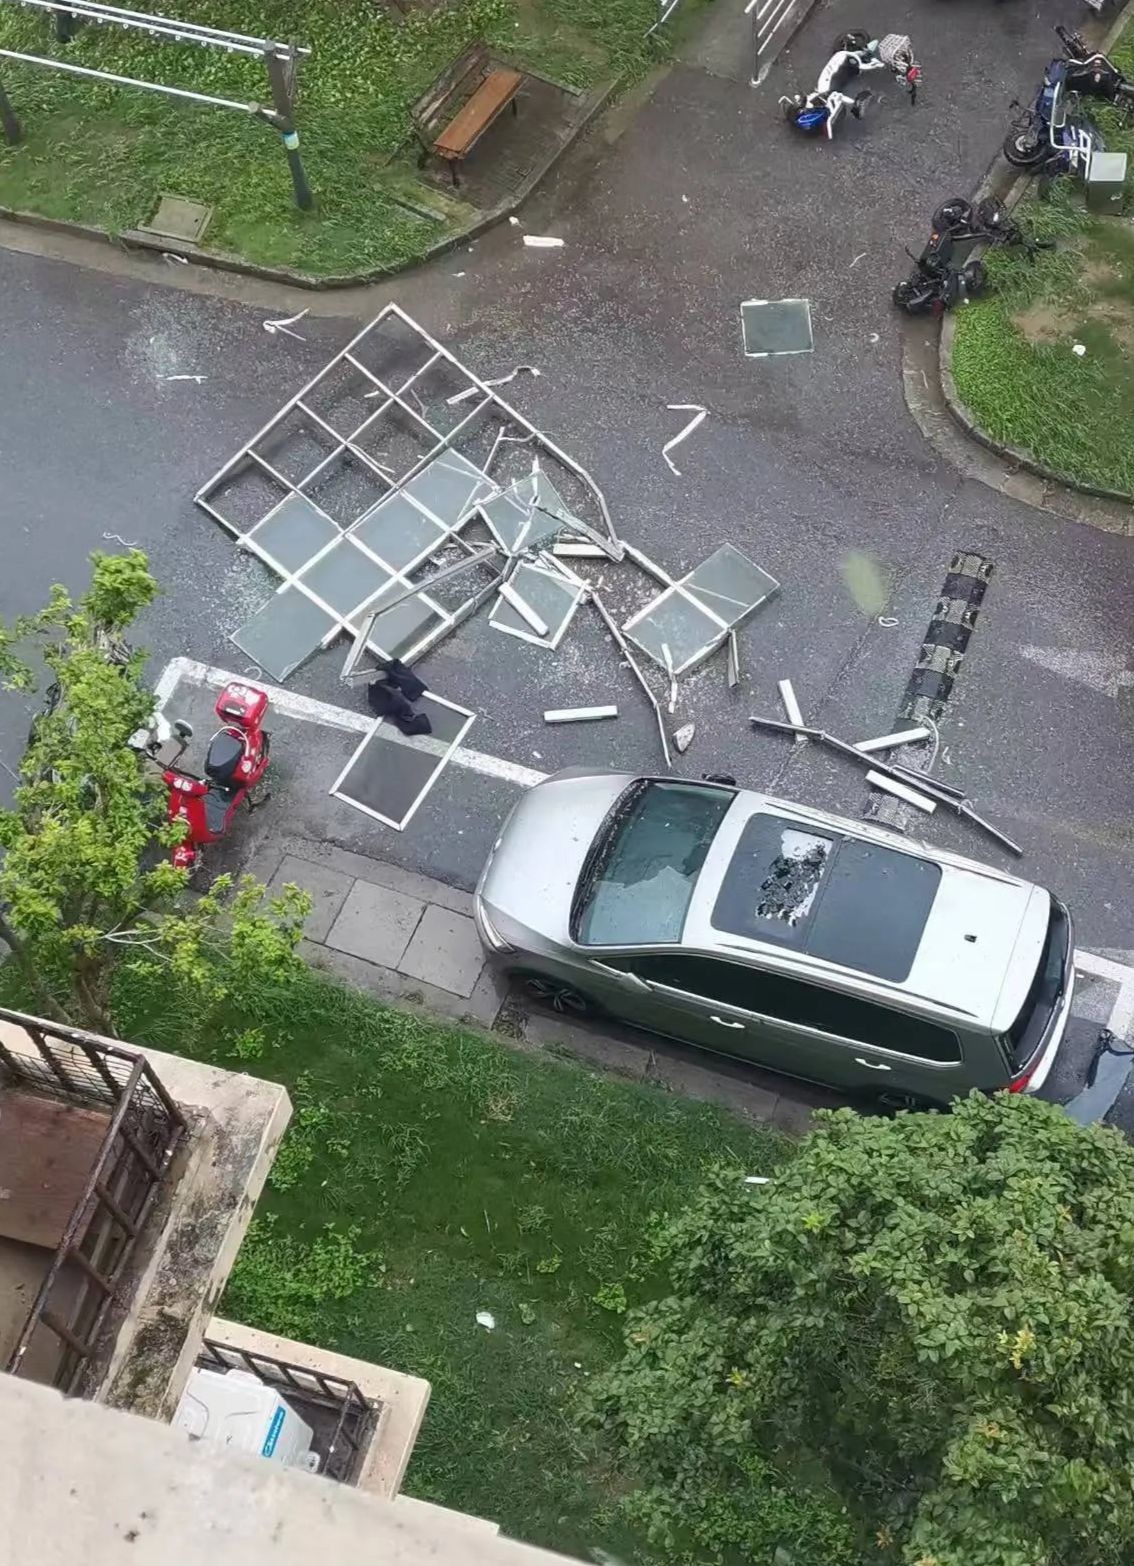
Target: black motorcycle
[[938, 281], [1052, 136]]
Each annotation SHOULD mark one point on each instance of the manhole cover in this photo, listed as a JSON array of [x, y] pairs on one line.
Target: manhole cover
[[179, 218]]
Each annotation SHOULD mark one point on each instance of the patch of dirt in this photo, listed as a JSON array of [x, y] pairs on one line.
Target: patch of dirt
[[1044, 323], [1099, 271], [1118, 317]]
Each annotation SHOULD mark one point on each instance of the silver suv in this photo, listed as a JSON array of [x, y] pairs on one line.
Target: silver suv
[[824, 948]]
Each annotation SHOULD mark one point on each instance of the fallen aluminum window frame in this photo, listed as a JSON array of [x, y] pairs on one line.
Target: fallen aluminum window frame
[[350, 669], [944, 794], [621, 643], [443, 761]]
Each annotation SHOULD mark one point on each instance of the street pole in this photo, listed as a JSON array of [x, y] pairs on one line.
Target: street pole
[[13, 135], [284, 123]]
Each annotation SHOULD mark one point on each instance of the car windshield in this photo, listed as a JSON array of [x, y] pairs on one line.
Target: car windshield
[[638, 879]]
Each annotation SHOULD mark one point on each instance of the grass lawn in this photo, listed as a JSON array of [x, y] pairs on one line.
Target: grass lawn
[[431, 1173], [1013, 359], [103, 155]]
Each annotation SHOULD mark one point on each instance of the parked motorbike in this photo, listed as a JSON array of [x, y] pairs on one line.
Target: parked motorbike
[[939, 281], [855, 54], [1092, 73], [235, 762], [1051, 136]]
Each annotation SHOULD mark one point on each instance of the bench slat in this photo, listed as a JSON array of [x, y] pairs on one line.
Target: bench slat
[[493, 94]]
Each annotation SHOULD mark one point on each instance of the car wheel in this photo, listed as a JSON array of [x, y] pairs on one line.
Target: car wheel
[[898, 1103], [555, 994]]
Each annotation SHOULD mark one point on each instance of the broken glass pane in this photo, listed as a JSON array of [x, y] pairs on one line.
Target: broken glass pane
[[447, 487], [509, 513], [401, 630], [729, 584], [390, 773], [344, 578], [678, 623], [398, 532], [551, 597], [772, 326], [293, 532], [284, 632]]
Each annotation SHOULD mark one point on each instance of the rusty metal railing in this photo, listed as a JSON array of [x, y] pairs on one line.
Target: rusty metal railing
[[344, 1435], [144, 1129]]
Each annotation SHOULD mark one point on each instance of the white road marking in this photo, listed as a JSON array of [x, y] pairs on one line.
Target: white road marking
[[306, 709]]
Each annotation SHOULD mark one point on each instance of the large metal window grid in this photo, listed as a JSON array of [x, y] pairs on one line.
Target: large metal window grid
[[144, 1130], [382, 462]]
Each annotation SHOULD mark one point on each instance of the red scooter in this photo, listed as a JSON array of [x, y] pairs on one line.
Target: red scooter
[[235, 761]]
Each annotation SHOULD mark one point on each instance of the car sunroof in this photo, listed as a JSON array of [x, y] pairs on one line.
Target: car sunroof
[[858, 904]]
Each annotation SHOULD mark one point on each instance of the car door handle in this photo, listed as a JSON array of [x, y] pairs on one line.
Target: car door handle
[[872, 1065], [724, 1022]]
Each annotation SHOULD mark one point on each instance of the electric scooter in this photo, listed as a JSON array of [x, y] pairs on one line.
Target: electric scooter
[[1051, 136], [235, 762], [819, 112]]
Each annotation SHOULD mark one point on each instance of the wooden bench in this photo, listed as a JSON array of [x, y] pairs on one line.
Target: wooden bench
[[482, 90]]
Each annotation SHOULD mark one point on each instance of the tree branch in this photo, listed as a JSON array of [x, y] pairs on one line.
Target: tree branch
[[51, 1007]]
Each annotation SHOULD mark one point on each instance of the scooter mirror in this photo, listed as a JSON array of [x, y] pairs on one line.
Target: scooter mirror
[[183, 730]]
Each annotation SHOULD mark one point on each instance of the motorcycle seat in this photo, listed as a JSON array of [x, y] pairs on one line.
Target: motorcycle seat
[[224, 755], [217, 802]]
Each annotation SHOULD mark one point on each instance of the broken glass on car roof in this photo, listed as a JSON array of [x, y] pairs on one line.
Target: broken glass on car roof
[[861, 905]]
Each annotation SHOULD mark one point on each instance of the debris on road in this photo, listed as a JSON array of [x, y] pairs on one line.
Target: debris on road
[[168, 255], [684, 737], [579, 714], [485, 1318], [770, 327], [541, 242], [469, 392], [197, 378], [285, 325], [892, 741], [699, 415], [941, 793], [901, 791], [732, 671], [791, 706]]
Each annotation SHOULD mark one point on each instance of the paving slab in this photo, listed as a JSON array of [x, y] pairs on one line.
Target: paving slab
[[328, 889], [382, 873], [376, 924], [403, 991], [445, 950]]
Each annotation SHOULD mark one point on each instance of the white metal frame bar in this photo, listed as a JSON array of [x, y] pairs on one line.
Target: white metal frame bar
[[160, 26]]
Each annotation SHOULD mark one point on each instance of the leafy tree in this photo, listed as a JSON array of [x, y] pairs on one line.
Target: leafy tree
[[933, 1313], [84, 880]]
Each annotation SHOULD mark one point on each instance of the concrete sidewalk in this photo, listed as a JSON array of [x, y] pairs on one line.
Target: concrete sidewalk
[[408, 939]]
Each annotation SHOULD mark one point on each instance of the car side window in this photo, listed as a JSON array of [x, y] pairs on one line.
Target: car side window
[[794, 1001]]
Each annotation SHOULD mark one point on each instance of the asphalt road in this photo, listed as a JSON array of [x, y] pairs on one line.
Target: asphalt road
[[673, 211]]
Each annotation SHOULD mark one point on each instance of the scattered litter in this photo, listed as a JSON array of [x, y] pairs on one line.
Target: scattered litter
[[485, 1318], [579, 714], [733, 670], [873, 337], [757, 1179], [253, 671], [623, 647], [686, 200], [891, 741], [515, 222], [511, 596], [502, 380], [1078, 348], [460, 274], [858, 258], [127, 543], [168, 255], [197, 378], [699, 415], [893, 786], [285, 324], [541, 242], [888, 620], [791, 706], [538, 755], [684, 737]]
